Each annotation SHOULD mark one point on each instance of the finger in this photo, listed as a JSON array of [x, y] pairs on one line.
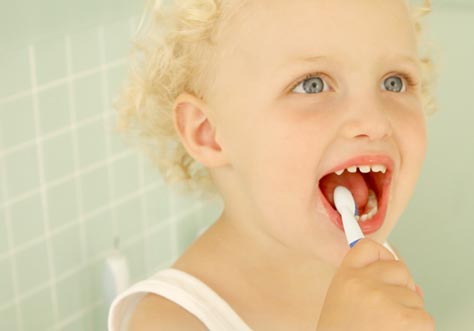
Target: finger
[[417, 319], [404, 296], [391, 272], [365, 252]]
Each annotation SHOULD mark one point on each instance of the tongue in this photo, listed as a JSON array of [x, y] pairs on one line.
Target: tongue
[[353, 181]]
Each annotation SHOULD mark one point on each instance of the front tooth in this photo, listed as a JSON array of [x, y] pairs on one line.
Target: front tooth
[[364, 217], [364, 169], [379, 168], [339, 172], [352, 169]]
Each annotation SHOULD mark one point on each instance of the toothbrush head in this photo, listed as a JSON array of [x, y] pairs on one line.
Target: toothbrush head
[[343, 200]]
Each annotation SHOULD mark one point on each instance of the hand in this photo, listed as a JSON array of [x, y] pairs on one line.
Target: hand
[[371, 291]]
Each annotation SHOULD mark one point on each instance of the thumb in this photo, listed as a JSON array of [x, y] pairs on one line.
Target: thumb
[[365, 252]]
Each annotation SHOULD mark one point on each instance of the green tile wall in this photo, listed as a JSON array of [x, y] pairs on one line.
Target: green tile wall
[[68, 185]]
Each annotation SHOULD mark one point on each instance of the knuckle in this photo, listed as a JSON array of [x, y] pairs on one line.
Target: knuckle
[[378, 296], [355, 284]]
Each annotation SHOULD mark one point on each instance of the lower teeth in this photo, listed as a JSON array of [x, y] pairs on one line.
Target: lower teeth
[[372, 204]]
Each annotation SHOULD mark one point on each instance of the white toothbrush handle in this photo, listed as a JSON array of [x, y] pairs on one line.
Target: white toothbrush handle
[[351, 227]]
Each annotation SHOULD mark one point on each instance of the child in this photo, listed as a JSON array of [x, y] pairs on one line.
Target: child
[[273, 103]]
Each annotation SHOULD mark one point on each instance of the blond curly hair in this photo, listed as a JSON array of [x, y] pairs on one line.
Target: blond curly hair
[[173, 52]]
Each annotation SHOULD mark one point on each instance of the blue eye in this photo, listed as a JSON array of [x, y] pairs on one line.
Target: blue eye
[[311, 84], [394, 84]]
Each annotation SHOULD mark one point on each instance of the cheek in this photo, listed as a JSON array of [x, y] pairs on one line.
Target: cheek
[[417, 142]]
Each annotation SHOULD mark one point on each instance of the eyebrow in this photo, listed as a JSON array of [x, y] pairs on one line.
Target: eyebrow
[[408, 59]]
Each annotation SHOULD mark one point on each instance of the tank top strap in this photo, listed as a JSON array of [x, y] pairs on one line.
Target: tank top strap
[[188, 292]]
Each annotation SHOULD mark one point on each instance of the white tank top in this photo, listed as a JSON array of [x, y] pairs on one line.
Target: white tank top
[[183, 289], [186, 291]]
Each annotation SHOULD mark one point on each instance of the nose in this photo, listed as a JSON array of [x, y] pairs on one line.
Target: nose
[[367, 119]]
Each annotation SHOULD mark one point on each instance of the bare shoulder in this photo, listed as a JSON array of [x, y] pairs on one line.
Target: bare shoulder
[[157, 313]]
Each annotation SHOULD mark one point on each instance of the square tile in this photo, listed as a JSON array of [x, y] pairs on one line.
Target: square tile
[[91, 141], [116, 79], [83, 322], [186, 231], [63, 205], [135, 255], [17, 122], [32, 267], [95, 278], [72, 294], [85, 50], [117, 141], [88, 96], [181, 201], [27, 220], [159, 247], [157, 204], [117, 40], [129, 219], [15, 65], [21, 171], [58, 155], [50, 60], [8, 319], [100, 316], [3, 193], [98, 233], [54, 109], [67, 249], [151, 172], [3, 232], [37, 311], [125, 174], [95, 189], [6, 282]]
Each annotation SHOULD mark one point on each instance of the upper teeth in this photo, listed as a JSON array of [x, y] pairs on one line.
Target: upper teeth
[[364, 169]]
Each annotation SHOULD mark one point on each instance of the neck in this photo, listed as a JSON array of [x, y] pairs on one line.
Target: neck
[[264, 258]]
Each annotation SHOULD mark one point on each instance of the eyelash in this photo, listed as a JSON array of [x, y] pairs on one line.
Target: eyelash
[[410, 81]]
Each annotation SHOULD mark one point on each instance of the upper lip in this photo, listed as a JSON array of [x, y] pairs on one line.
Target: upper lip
[[368, 159]]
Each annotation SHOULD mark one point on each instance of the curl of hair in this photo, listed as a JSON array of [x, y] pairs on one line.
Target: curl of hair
[[173, 52]]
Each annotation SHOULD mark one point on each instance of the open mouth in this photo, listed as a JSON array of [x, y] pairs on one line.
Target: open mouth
[[369, 184]]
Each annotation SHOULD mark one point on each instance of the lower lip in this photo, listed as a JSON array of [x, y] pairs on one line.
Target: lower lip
[[368, 226]]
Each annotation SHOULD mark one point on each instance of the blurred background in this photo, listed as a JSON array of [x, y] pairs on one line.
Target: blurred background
[[71, 191]]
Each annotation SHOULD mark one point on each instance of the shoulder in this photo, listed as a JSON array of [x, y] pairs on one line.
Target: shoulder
[[156, 313]]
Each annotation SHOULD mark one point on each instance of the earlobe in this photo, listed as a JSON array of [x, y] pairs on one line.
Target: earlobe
[[196, 131]]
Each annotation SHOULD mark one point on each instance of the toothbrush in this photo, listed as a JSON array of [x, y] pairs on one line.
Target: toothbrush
[[345, 205]]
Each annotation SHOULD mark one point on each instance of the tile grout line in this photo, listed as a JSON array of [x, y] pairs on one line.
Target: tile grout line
[[143, 201], [42, 180], [144, 218], [85, 217], [75, 142], [105, 104], [60, 81], [64, 179], [156, 228], [11, 257], [50, 135], [77, 315]]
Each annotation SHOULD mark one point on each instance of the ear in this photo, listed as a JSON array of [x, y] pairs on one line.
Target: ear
[[196, 131]]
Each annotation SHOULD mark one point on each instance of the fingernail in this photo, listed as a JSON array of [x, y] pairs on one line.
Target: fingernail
[[420, 292]]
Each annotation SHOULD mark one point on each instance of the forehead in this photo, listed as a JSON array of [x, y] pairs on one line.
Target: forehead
[[273, 32]]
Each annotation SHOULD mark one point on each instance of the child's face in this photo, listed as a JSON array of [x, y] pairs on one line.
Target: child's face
[[281, 136]]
